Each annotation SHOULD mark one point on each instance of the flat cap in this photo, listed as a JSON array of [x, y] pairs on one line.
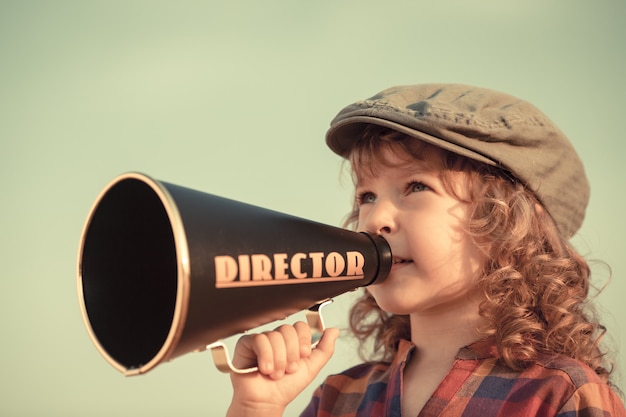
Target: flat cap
[[484, 125]]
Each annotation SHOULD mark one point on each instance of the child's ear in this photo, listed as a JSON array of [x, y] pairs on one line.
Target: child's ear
[[542, 213], [540, 210], [545, 218]]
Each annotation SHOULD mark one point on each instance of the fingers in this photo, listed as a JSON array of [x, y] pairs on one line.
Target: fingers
[[284, 354], [324, 350], [283, 350], [304, 338]]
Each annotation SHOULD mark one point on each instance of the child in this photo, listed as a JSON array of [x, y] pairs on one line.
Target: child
[[485, 310]]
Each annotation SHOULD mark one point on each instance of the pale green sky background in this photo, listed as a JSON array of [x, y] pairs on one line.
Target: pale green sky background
[[233, 98]]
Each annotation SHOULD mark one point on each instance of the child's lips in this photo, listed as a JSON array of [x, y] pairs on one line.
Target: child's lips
[[396, 261], [400, 263]]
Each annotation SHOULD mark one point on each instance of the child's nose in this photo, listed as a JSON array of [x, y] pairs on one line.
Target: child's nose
[[379, 219]]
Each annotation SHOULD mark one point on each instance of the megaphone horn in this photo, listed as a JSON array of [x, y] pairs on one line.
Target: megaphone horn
[[165, 270]]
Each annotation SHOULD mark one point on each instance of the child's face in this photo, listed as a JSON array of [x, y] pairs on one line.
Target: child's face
[[436, 263]]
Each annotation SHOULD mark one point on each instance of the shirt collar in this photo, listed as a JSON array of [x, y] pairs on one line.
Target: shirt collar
[[481, 349]]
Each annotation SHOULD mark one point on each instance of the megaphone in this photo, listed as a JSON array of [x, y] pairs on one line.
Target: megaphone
[[165, 270]]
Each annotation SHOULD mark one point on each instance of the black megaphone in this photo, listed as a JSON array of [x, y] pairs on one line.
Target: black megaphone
[[164, 270]]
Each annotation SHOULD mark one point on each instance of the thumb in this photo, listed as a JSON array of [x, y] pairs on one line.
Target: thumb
[[324, 349]]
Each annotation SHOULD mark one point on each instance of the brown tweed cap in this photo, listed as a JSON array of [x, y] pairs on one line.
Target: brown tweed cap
[[484, 125]]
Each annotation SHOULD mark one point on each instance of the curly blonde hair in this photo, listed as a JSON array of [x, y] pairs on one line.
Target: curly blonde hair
[[534, 283]]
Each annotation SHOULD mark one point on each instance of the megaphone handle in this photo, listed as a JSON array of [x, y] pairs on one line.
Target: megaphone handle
[[316, 321], [222, 360]]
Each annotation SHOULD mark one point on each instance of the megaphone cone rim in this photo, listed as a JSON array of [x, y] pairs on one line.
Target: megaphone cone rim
[[179, 315]]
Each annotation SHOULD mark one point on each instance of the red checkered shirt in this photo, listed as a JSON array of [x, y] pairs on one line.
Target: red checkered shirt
[[478, 385]]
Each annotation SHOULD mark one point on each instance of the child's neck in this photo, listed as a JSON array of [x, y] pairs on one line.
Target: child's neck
[[441, 333], [438, 336]]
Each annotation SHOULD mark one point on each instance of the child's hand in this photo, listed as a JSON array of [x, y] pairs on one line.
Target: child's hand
[[287, 364]]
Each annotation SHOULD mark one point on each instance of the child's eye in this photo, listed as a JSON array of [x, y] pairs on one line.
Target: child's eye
[[416, 187], [365, 197]]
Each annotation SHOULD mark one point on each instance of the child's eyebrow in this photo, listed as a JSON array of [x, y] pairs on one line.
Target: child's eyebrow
[[360, 183], [408, 170], [417, 169]]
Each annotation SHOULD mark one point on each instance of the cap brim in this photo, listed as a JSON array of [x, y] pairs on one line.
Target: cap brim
[[343, 134]]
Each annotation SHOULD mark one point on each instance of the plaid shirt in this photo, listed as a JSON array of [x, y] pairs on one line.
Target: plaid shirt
[[478, 385]]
